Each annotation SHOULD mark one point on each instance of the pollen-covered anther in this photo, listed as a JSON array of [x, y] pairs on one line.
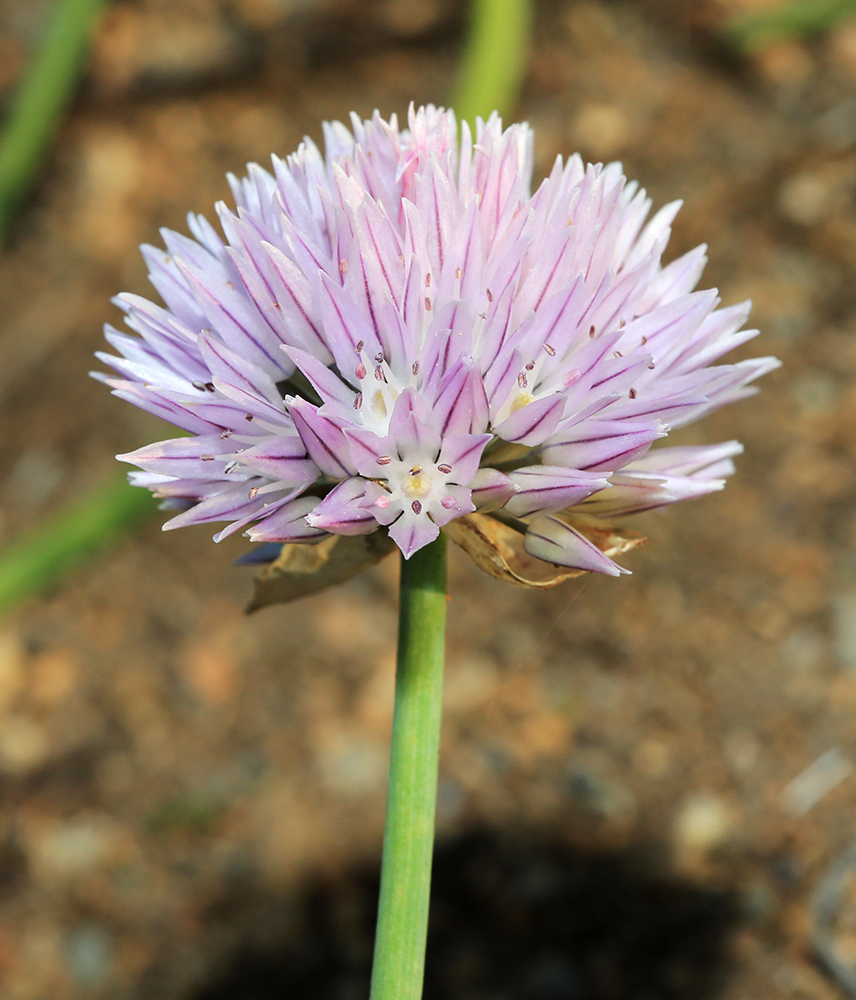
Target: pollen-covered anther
[[550, 350], [445, 469], [522, 380], [358, 401], [416, 507], [378, 374], [343, 267], [384, 460], [253, 493]]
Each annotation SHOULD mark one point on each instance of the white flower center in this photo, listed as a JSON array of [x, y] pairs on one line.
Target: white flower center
[[417, 484]]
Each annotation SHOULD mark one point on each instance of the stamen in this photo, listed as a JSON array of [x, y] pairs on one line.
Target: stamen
[[226, 434], [206, 458], [428, 279], [459, 273], [427, 304], [489, 295], [343, 267], [379, 358], [230, 468], [379, 375], [550, 350], [198, 384], [358, 401], [253, 493], [415, 368], [592, 332], [633, 394], [416, 507], [522, 381], [445, 469], [529, 365], [384, 460], [617, 354], [359, 346], [249, 416], [415, 470]]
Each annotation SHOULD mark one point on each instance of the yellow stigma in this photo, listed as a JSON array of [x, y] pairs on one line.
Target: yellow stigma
[[417, 484], [379, 405], [523, 399]]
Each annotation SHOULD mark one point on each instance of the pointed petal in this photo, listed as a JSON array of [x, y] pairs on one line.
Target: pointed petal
[[341, 511], [288, 524], [554, 541], [534, 423], [548, 488]]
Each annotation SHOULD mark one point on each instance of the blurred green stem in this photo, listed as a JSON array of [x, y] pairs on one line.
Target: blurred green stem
[[408, 840], [40, 558], [495, 58], [43, 94], [756, 29]]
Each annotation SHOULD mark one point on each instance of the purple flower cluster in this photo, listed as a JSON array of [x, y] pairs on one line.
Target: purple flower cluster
[[397, 333]]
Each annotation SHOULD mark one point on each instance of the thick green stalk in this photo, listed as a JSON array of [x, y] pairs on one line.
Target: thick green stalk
[[46, 89], [494, 59], [408, 843]]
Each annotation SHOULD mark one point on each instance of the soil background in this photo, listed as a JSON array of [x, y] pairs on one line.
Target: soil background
[[644, 781]]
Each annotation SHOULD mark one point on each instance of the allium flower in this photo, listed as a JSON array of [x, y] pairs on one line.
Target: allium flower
[[397, 333]]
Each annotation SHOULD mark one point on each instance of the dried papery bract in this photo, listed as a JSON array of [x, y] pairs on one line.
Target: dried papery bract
[[397, 335]]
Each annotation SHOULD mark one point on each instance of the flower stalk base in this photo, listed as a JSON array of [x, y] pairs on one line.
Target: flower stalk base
[[399, 958]]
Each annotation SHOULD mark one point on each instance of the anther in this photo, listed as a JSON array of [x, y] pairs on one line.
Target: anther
[[379, 358], [622, 323], [206, 458], [529, 365], [414, 368], [416, 507], [427, 304], [489, 295], [379, 375], [416, 470], [550, 350], [428, 279], [644, 341], [226, 434], [522, 381], [592, 332], [617, 354], [253, 493], [384, 460], [632, 394], [343, 267], [249, 417], [459, 273], [360, 371], [358, 401], [359, 346], [445, 469], [198, 384]]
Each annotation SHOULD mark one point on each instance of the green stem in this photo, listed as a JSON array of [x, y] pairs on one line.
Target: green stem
[[39, 102], [494, 59], [408, 843]]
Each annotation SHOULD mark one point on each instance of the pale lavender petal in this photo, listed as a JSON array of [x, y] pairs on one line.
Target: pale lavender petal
[[413, 533], [554, 541], [288, 524], [463, 453], [325, 442], [533, 423], [544, 489], [491, 488], [341, 511], [281, 458]]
